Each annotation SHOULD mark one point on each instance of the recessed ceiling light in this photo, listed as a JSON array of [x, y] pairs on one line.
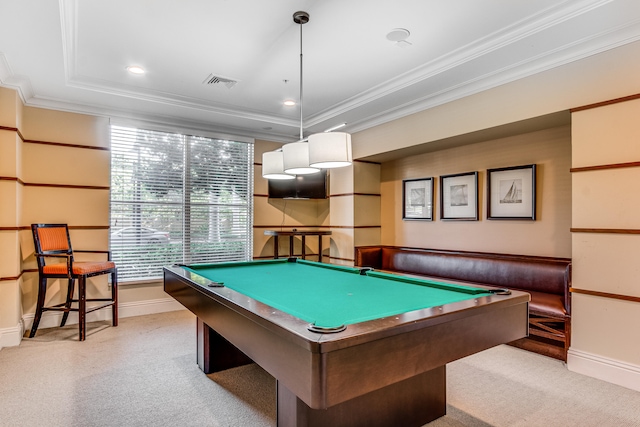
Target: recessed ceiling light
[[135, 69], [289, 102]]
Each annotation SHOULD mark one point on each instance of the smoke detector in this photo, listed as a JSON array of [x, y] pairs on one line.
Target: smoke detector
[[399, 37]]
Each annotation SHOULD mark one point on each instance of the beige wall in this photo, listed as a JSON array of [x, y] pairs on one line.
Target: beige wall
[[76, 193], [55, 167], [351, 212], [589, 80], [606, 244], [548, 235], [355, 209]]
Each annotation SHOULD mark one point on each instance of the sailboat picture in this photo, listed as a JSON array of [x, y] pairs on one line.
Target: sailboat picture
[[511, 191]]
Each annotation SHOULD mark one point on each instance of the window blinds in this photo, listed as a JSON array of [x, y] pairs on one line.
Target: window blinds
[[178, 199]]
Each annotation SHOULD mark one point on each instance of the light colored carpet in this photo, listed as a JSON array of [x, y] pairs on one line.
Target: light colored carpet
[[143, 373]]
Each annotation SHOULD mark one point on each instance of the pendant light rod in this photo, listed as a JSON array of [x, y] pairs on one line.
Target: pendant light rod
[[301, 18]]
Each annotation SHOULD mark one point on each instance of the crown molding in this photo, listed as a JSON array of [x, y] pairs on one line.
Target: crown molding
[[582, 49], [586, 46], [21, 84], [507, 38]]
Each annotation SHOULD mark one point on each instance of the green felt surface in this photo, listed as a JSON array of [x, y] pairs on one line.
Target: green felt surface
[[328, 295]]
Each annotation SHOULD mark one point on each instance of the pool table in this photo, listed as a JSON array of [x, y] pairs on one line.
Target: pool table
[[347, 346]]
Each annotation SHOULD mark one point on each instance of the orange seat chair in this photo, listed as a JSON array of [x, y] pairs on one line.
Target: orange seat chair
[[53, 241]]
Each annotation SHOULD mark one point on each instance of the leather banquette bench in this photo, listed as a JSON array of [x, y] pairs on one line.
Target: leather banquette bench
[[546, 279]]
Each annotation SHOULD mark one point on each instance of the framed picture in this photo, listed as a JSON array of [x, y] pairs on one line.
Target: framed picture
[[417, 199], [511, 193], [459, 196]]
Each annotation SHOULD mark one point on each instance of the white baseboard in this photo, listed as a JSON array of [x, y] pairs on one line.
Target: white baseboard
[[602, 368], [140, 308], [51, 319], [10, 337]]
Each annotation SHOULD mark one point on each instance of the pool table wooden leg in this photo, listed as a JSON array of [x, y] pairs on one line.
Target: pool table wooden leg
[[214, 353], [411, 402]]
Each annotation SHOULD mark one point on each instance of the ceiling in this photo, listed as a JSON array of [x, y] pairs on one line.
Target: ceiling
[[72, 55]]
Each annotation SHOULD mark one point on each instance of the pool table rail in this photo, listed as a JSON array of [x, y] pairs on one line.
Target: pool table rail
[[297, 331]]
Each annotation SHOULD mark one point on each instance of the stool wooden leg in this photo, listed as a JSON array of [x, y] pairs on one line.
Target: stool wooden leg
[[67, 305], [114, 297], [82, 306], [42, 290]]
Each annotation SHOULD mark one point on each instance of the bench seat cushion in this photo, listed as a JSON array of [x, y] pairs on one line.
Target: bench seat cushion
[[547, 304]]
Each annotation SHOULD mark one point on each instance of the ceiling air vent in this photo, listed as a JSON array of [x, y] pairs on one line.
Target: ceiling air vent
[[212, 79]]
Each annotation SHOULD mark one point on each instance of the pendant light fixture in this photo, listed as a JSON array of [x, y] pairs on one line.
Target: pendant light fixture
[[322, 150], [296, 154]]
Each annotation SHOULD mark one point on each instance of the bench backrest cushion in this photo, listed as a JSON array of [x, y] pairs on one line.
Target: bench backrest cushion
[[519, 273], [528, 273]]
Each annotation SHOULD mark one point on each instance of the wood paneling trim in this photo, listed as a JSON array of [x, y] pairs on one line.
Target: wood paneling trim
[[334, 195], [26, 270], [13, 130], [35, 184], [355, 160], [58, 144], [19, 228], [79, 187], [605, 295], [341, 259], [71, 227], [62, 144], [282, 227], [11, 178], [302, 227], [355, 194], [606, 167], [352, 227], [606, 230], [602, 104]]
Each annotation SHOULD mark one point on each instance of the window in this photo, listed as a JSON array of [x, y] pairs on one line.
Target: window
[[178, 199]]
